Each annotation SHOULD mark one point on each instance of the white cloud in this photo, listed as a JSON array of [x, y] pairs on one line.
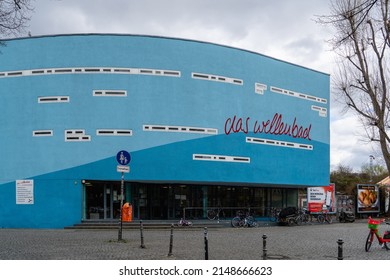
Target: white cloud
[[348, 145]]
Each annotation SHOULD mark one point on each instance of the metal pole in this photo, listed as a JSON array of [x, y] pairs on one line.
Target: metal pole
[[206, 245], [120, 210], [340, 249], [142, 235], [371, 170], [171, 242], [264, 246]]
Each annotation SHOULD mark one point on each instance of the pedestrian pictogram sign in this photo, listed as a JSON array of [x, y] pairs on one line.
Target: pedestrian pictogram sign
[[123, 157]]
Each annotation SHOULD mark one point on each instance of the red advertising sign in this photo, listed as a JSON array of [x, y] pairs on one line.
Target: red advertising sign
[[321, 199]]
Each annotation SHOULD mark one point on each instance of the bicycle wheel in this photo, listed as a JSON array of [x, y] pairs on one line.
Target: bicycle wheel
[[329, 219], [370, 239], [250, 221], [298, 220], [321, 219], [290, 221], [387, 245], [211, 214], [236, 222]]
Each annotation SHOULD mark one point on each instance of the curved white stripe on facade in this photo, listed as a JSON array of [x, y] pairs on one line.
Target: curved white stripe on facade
[[106, 92], [114, 132], [53, 99], [298, 95], [263, 141], [224, 158], [42, 133], [90, 70], [184, 129], [215, 78]]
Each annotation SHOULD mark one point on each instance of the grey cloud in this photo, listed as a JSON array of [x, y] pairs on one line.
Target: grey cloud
[[234, 18], [306, 47]]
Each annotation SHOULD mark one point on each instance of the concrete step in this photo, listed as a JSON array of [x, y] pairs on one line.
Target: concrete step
[[146, 224]]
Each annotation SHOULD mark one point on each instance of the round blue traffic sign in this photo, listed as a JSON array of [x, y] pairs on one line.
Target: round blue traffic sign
[[123, 157]]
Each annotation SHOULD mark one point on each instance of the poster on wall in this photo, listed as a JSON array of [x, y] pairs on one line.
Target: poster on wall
[[367, 198], [321, 199], [24, 191]]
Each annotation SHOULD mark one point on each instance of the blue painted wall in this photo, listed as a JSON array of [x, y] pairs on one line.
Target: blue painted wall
[[58, 166]]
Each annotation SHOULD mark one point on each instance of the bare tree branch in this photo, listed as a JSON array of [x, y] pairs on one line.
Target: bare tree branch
[[362, 42], [14, 16]]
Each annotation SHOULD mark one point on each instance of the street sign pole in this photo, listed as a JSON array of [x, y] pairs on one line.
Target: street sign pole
[[120, 212], [123, 158]]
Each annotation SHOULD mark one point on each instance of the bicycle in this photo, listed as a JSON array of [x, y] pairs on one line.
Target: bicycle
[[274, 214], [301, 217], [243, 220], [373, 225], [288, 215], [305, 215], [212, 214], [324, 217]]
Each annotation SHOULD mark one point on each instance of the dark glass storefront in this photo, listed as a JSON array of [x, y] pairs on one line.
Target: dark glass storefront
[[171, 201]]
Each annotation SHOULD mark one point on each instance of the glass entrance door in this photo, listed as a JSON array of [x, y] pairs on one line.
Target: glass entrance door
[[102, 200]]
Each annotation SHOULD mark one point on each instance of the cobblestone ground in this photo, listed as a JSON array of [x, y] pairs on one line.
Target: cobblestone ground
[[307, 242]]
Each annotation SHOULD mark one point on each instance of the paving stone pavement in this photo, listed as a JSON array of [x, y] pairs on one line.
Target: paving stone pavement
[[306, 242]]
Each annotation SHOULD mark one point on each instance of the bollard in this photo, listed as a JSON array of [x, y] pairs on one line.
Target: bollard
[[171, 242], [264, 246], [142, 234], [206, 245], [340, 249]]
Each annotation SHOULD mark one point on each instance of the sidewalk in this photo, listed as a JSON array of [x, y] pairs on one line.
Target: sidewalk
[[308, 242]]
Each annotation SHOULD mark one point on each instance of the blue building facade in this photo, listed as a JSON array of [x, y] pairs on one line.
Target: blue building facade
[[206, 125]]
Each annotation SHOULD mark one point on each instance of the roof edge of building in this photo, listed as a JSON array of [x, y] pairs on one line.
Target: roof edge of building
[[161, 37]]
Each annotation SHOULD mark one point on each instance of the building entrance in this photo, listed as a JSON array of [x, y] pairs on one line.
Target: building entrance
[[152, 201], [163, 201], [102, 200]]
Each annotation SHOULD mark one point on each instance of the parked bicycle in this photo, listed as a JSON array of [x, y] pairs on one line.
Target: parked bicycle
[[325, 216], [213, 214], [302, 216], [306, 215], [243, 220], [288, 216], [373, 225], [274, 214]]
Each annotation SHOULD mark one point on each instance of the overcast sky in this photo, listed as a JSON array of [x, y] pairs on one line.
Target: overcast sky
[[283, 29]]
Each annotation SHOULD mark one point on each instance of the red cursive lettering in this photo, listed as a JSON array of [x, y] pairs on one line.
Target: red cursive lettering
[[236, 125], [276, 126]]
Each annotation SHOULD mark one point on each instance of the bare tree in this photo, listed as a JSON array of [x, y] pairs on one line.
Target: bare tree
[[362, 43], [14, 15]]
